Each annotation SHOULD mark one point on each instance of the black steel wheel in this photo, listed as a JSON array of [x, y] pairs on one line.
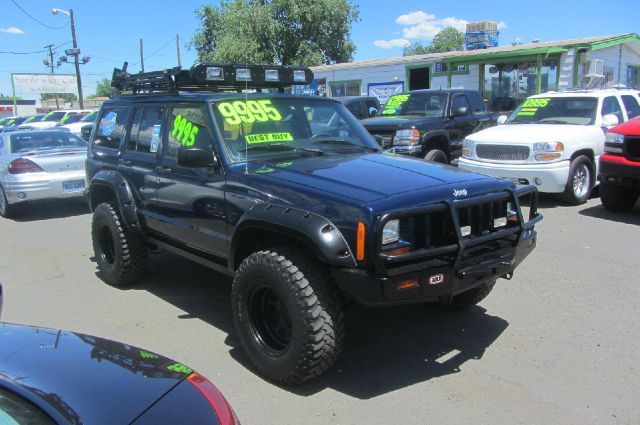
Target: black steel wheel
[[468, 298], [121, 254], [287, 314]]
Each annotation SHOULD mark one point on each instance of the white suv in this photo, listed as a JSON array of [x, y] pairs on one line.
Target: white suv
[[553, 140]]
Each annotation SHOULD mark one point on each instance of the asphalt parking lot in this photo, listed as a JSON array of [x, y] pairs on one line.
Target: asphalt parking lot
[[558, 344]]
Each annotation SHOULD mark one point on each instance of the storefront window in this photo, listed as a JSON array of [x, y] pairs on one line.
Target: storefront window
[[346, 88], [506, 85]]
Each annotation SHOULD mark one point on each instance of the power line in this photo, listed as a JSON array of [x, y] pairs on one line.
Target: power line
[[41, 23], [34, 52], [163, 46]]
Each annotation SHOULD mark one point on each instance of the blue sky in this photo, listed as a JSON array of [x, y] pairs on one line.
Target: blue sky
[[109, 32]]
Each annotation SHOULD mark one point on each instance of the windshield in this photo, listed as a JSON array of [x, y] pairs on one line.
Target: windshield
[[417, 103], [556, 110], [90, 118], [54, 116], [34, 118], [70, 119], [44, 140], [281, 126]]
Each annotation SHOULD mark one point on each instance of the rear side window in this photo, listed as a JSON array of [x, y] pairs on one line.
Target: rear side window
[[610, 105], [146, 130], [631, 105], [356, 109], [111, 127]]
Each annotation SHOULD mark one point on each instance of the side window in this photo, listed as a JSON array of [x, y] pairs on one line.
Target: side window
[[610, 105], [460, 101], [477, 104], [356, 109], [631, 105], [111, 127], [146, 130], [372, 108], [187, 126]]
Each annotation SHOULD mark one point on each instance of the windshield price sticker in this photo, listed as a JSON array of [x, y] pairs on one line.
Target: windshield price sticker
[[394, 103], [184, 131], [248, 111], [268, 137], [531, 106]]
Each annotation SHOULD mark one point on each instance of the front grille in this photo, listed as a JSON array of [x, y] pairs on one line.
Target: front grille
[[502, 152], [632, 147]]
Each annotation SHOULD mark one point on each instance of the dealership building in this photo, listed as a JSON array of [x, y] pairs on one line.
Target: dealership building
[[504, 75]]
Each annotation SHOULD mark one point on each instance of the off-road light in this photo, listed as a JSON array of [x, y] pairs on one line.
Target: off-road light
[[214, 73], [465, 231], [243, 74], [272, 75], [499, 222], [299, 76]]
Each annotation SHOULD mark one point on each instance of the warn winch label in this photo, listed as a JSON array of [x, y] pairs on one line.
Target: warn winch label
[[436, 279]]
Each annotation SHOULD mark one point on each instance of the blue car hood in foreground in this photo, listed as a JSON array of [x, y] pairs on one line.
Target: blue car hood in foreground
[[79, 378]]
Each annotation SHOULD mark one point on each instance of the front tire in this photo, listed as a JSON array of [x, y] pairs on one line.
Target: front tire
[[287, 314], [436, 155], [121, 254], [468, 298], [617, 198], [579, 183]]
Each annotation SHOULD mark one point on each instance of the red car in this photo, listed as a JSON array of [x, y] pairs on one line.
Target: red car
[[620, 167]]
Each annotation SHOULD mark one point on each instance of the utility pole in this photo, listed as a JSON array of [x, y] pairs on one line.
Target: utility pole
[[76, 55], [178, 47], [141, 56], [50, 47]]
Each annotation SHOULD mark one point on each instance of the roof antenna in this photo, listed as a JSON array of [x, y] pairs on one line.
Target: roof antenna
[[246, 98]]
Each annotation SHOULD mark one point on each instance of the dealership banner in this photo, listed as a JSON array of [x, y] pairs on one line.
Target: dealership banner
[[44, 83], [383, 91]]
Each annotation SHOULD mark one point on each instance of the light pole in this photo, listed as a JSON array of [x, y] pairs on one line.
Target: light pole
[[75, 51]]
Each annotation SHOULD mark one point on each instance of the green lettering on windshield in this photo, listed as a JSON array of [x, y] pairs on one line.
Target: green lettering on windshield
[[249, 111], [268, 137], [394, 103], [531, 106]]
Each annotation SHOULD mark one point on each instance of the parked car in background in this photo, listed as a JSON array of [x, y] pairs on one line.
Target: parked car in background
[[50, 119], [12, 124], [38, 165], [429, 124], [75, 125], [553, 140], [620, 167], [85, 131], [361, 106]]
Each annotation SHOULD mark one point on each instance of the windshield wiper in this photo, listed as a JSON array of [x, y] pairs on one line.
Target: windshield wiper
[[342, 142], [545, 121], [282, 147]]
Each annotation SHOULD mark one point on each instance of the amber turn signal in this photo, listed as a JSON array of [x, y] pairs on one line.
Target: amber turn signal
[[407, 284], [360, 242]]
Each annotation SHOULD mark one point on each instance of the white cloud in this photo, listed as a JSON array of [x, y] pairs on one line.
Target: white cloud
[[502, 25], [390, 44], [422, 25], [413, 18], [12, 30]]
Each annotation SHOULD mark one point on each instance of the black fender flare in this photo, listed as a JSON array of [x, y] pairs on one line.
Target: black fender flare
[[122, 192], [314, 230], [433, 134]]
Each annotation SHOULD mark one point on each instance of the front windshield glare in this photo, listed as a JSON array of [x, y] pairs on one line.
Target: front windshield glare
[[425, 104], [556, 110], [278, 127]]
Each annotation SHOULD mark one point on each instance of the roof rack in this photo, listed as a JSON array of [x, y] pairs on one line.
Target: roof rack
[[208, 76]]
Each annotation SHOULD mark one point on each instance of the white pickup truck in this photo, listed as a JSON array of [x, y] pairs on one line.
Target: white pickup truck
[[553, 140]]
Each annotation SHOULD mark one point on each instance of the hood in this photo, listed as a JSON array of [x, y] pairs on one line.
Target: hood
[[532, 133], [355, 179], [82, 378], [393, 123]]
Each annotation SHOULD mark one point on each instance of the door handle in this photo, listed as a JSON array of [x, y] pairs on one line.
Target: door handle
[[162, 169], [125, 162]]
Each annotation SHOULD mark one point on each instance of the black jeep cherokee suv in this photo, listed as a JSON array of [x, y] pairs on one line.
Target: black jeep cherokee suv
[[302, 215]]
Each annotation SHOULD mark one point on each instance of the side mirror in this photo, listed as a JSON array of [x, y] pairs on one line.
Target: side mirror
[[461, 111], [610, 120], [378, 138], [196, 158], [502, 119]]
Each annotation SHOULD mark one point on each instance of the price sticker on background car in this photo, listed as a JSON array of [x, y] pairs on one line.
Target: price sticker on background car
[[531, 106], [394, 103], [249, 111]]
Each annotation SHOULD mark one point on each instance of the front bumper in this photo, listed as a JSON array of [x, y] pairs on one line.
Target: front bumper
[[444, 271], [548, 178], [37, 186], [619, 171], [411, 150]]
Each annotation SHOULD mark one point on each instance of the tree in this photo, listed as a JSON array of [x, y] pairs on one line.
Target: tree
[[286, 32], [67, 97], [3, 97], [103, 89], [447, 40]]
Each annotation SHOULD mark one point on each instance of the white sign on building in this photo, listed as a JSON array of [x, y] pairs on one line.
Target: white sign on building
[[44, 83]]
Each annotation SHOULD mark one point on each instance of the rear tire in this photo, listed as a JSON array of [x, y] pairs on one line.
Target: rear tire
[[121, 254], [6, 210], [617, 198], [468, 298], [436, 155], [287, 314], [579, 183]]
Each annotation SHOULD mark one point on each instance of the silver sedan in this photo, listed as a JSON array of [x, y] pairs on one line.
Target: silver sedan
[[36, 165]]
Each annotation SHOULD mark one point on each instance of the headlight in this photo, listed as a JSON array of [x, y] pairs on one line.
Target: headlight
[[467, 148], [407, 137], [613, 143], [548, 151], [391, 232]]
